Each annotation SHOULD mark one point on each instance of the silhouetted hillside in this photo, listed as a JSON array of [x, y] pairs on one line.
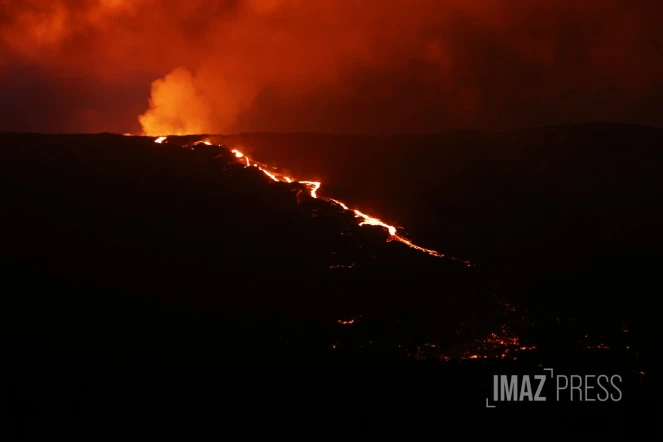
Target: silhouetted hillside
[[566, 214], [108, 221], [121, 257]]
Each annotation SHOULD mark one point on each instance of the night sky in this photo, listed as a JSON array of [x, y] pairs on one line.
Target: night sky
[[371, 66]]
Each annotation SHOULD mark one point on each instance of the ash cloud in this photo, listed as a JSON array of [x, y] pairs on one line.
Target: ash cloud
[[327, 65]]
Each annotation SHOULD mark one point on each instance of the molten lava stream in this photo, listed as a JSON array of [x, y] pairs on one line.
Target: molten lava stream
[[313, 187]]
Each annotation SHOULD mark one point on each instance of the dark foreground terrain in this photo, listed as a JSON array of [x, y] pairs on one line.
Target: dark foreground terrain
[[149, 284]]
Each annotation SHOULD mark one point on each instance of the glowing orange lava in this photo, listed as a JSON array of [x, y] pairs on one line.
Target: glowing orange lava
[[314, 186], [271, 175]]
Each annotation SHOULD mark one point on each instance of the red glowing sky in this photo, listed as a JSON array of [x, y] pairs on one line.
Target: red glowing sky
[[370, 66]]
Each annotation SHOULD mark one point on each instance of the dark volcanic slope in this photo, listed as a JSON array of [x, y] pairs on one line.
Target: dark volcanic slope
[[568, 217], [128, 251], [102, 226], [122, 241]]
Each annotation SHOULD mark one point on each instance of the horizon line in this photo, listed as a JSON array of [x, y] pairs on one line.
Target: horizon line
[[352, 134]]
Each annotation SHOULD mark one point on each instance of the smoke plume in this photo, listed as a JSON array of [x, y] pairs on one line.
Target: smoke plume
[[326, 65]]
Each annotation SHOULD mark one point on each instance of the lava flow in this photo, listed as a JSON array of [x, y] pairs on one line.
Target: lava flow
[[313, 187]]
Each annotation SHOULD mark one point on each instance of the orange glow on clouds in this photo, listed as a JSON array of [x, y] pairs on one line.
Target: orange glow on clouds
[[333, 65]]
